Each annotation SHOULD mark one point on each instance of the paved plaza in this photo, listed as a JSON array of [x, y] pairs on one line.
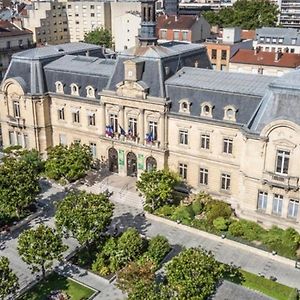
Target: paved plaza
[[129, 213]]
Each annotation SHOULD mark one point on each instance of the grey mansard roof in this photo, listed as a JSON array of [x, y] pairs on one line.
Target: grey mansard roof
[[81, 70], [161, 62], [281, 102], [29, 64], [220, 89]]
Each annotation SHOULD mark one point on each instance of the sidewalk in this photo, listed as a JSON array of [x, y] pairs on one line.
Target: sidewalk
[[128, 212]]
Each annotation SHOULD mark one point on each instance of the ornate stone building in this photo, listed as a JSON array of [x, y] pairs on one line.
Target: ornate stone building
[[233, 135]]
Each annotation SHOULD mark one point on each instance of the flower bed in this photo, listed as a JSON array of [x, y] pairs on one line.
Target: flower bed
[[217, 217]]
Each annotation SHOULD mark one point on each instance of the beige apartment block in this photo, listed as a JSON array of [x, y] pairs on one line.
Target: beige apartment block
[[85, 16], [48, 22]]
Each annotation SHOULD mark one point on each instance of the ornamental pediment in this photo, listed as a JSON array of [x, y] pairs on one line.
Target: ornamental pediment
[[284, 143], [132, 89]]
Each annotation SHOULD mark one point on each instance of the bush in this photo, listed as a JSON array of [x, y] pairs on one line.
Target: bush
[[184, 214], [130, 244], [197, 206], [110, 247], [221, 224], [284, 242], [248, 230], [215, 209], [165, 211], [158, 248], [294, 295], [100, 265]]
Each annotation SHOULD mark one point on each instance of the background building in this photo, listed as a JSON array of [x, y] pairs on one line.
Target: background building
[[266, 63], [192, 29], [48, 21], [276, 39], [12, 39], [289, 15], [220, 50]]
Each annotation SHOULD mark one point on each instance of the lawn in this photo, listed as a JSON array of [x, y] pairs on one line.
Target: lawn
[[267, 286], [56, 282]]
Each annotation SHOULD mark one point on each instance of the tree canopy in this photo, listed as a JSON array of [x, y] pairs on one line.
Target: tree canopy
[[99, 36], [68, 162], [9, 283], [19, 181], [157, 187], [84, 215], [247, 14], [39, 247]]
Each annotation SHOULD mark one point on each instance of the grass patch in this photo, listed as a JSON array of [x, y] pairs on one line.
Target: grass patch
[[268, 287], [56, 282]]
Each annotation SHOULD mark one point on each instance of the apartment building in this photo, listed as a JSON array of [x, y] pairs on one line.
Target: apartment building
[[85, 16], [12, 39], [220, 50], [48, 21], [233, 135], [289, 15], [276, 39]]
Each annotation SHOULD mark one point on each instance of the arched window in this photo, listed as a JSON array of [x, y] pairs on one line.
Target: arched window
[[59, 87], [206, 109], [184, 106], [230, 113], [90, 92], [74, 89]]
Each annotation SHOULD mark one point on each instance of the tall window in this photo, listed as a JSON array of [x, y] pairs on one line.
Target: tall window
[[223, 54], [93, 147], [225, 181], [92, 119], [61, 114], [213, 53], [183, 170], [282, 162], [132, 124], [113, 119], [62, 139], [26, 141], [183, 137], [76, 117], [205, 140], [293, 208], [16, 106], [175, 35], [262, 200], [203, 176], [19, 139], [163, 34], [12, 140], [153, 129], [184, 35], [277, 204], [227, 146]]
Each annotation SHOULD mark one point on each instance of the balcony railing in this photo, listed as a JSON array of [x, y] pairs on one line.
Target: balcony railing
[[280, 180], [17, 48], [16, 121]]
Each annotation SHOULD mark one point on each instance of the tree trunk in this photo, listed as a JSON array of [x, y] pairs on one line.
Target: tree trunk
[[43, 271]]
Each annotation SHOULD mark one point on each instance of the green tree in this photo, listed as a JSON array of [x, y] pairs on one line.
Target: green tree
[[99, 36], [134, 272], [193, 274], [19, 182], [247, 14], [68, 162], [9, 283], [39, 247], [84, 215], [157, 187], [144, 290]]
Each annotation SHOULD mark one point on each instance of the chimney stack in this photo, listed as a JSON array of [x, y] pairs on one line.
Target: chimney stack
[[256, 50], [278, 55]]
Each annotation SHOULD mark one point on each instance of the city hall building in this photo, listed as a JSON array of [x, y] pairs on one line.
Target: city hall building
[[235, 136]]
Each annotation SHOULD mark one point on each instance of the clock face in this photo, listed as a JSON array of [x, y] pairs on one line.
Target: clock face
[[129, 73]]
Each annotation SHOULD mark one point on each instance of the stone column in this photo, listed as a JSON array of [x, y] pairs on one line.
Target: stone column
[[141, 126], [102, 119], [162, 130]]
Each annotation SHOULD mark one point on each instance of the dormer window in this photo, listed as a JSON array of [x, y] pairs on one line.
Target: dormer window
[[206, 109], [74, 89], [90, 92], [184, 106], [229, 113], [59, 87]]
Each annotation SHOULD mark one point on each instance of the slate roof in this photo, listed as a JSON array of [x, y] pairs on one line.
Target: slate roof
[[248, 56], [286, 33], [161, 62], [220, 89]]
